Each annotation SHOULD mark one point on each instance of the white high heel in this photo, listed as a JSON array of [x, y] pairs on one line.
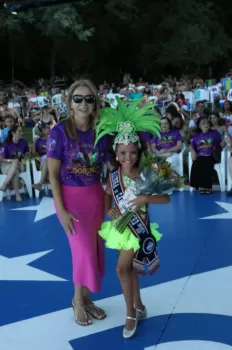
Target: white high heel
[[141, 314], [129, 334]]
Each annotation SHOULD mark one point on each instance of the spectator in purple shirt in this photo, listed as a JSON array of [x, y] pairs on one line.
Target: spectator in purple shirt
[[169, 143], [13, 151], [75, 166], [202, 147], [40, 147]]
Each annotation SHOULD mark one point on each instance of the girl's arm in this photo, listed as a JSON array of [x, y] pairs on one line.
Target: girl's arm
[[162, 199], [108, 201]]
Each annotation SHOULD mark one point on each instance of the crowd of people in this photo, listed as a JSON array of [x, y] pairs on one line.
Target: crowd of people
[[205, 133]]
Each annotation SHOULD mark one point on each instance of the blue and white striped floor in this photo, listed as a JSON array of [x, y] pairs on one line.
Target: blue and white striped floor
[[189, 300]]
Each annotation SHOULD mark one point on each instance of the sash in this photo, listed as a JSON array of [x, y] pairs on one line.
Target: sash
[[140, 228]]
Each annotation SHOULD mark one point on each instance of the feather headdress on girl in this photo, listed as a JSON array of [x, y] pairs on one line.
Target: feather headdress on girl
[[126, 121]]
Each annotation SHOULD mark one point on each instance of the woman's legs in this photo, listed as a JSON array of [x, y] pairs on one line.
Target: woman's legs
[[44, 172], [15, 182], [11, 171], [124, 272]]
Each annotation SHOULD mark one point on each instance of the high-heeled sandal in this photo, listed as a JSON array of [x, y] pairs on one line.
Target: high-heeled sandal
[[129, 334], [88, 321], [100, 312]]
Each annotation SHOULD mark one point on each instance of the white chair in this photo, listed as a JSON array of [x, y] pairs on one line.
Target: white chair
[[180, 168], [229, 182], [25, 176], [220, 169], [36, 178]]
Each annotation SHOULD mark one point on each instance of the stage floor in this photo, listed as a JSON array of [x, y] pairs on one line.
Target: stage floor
[[189, 299]]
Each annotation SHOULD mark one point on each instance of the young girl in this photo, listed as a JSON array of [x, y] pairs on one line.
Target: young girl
[[39, 147], [137, 244]]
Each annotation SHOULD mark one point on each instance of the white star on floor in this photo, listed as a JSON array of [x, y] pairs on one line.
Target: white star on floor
[[45, 209], [17, 269], [228, 215]]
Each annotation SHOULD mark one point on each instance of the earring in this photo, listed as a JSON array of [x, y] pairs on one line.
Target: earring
[[117, 159]]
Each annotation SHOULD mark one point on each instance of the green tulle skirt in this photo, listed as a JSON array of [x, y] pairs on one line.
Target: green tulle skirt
[[125, 240]]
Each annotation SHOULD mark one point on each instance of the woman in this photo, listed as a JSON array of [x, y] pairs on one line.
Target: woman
[[74, 166], [169, 143], [13, 151], [202, 147], [227, 115]]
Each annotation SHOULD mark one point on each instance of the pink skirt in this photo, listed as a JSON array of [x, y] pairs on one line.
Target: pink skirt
[[87, 247]]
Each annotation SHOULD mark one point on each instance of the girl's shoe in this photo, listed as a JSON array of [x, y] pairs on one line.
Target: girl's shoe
[[129, 334], [86, 320], [141, 314]]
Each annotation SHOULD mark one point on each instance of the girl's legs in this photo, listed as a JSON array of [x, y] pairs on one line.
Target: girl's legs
[[138, 304], [124, 272]]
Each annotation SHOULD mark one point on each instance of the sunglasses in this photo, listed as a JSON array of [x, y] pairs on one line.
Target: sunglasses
[[90, 99]]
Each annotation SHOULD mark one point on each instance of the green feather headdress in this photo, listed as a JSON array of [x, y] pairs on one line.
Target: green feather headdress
[[126, 121]]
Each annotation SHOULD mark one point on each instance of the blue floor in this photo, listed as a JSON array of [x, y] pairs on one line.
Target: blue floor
[[189, 299]]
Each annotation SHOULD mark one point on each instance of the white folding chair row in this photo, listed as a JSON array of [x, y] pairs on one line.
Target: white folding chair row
[[25, 175], [220, 169]]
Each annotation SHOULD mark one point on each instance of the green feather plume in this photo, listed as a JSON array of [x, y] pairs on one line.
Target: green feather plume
[[143, 119]]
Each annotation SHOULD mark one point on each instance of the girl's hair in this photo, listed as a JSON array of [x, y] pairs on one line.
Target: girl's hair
[[142, 149], [68, 122], [179, 116], [11, 133], [9, 116], [198, 130], [169, 122], [230, 103], [220, 121]]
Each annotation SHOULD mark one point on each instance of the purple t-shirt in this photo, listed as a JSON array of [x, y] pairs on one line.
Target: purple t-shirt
[[205, 143], [145, 136], [41, 147], [11, 150], [168, 139], [81, 163]]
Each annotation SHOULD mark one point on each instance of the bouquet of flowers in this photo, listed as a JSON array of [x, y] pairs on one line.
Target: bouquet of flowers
[[157, 177]]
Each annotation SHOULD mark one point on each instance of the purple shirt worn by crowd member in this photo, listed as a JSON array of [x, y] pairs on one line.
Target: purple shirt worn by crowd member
[[205, 143], [168, 139], [145, 136], [11, 150], [81, 163], [41, 147]]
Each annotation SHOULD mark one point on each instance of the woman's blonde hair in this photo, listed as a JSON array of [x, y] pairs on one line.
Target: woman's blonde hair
[[69, 123]]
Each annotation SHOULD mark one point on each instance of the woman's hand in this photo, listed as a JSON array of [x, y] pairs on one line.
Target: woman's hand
[[66, 220], [194, 155], [138, 202], [113, 214]]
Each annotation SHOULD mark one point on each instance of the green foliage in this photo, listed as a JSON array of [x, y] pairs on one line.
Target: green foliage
[[106, 38]]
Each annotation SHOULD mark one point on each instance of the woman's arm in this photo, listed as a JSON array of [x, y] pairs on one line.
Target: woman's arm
[[33, 150], [154, 149], [176, 148], [54, 171]]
